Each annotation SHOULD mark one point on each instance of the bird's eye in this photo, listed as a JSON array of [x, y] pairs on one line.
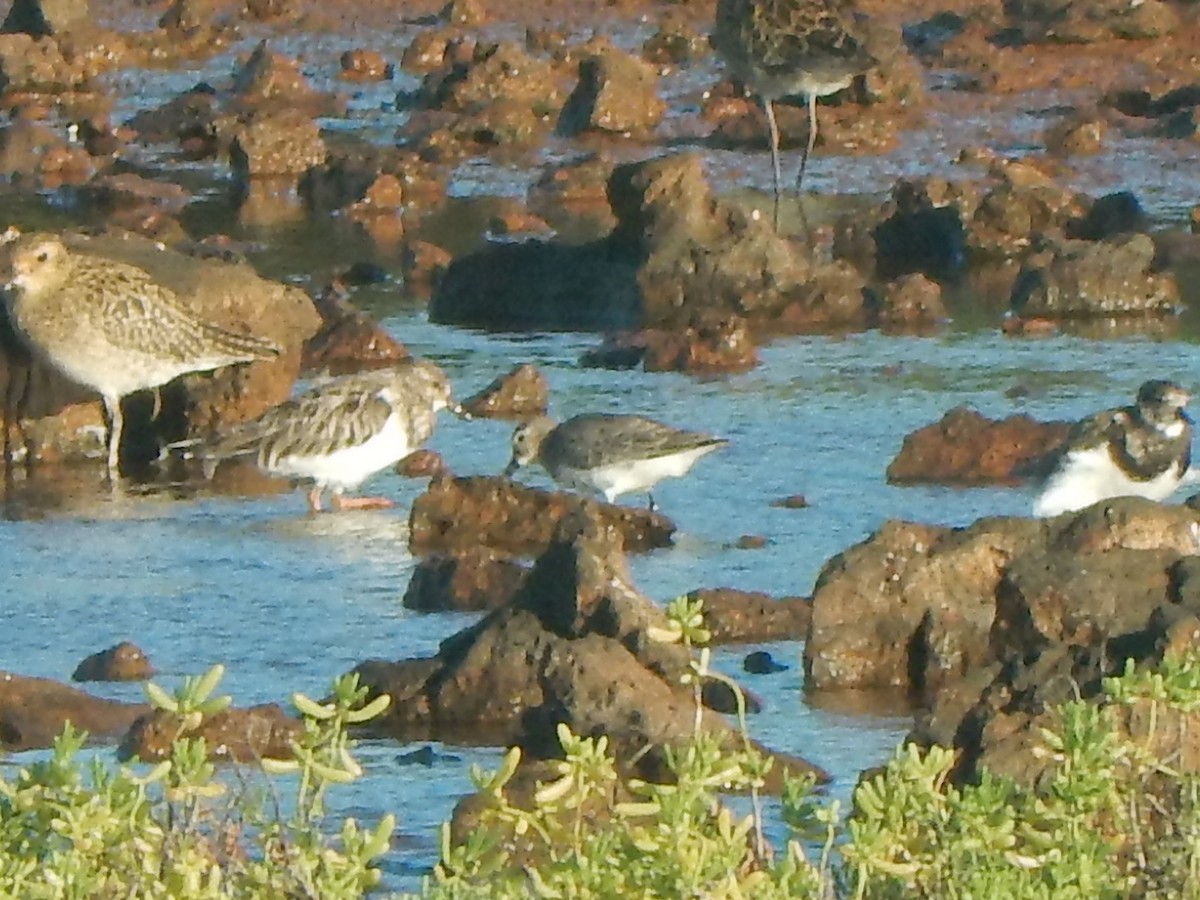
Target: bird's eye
[[43, 256]]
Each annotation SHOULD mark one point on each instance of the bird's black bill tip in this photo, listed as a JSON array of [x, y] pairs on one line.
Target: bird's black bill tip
[[511, 469]]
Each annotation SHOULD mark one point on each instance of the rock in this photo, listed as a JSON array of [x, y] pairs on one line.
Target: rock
[[918, 236], [470, 13], [750, 542], [189, 119], [522, 392], [423, 264], [34, 711], [237, 735], [794, 501], [286, 143], [760, 662], [911, 301], [713, 344], [122, 662], [460, 513], [920, 607], [576, 193], [571, 648], [472, 579], [965, 447], [676, 42], [24, 146], [1066, 21], [41, 18], [423, 464], [679, 258], [271, 83], [616, 93], [1110, 278], [125, 192], [59, 420], [348, 340], [365, 65], [747, 617], [390, 177], [1076, 136], [1109, 216]]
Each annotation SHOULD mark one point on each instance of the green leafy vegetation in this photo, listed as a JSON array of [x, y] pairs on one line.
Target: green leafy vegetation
[[1111, 813]]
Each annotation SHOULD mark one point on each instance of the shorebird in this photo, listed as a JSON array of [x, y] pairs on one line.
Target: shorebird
[[777, 48], [341, 430], [1143, 450], [109, 325], [609, 454]]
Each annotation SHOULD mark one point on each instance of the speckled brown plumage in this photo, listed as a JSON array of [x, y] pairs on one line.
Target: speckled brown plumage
[[109, 325], [781, 47], [342, 430]]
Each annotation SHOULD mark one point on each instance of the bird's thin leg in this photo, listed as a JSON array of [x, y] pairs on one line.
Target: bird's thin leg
[[808, 148], [341, 502], [112, 406], [773, 128], [653, 506], [314, 498]]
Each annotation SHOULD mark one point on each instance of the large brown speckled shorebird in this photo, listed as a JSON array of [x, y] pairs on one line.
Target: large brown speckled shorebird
[[607, 453], [341, 430], [777, 48], [109, 325]]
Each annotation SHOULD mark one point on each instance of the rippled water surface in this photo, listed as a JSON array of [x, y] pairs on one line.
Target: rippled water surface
[[288, 601]]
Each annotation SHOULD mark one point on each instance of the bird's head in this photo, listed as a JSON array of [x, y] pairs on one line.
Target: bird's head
[[527, 442], [33, 262]]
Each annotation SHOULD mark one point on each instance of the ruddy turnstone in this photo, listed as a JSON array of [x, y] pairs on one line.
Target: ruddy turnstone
[[781, 47], [609, 454], [341, 430], [109, 325], [1142, 450]]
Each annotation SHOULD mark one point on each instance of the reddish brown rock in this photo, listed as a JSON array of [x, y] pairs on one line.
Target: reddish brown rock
[[522, 392], [472, 579], [676, 42], [365, 65], [965, 447], [423, 264], [745, 617], [426, 52], [576, 191], [573, 647], [348, 340], [122, 662], [461, 513], [128, 191], [271, 83], [237, 735], [34, 711], [423, 464], [715, 345], [468, 13], [794, 501]]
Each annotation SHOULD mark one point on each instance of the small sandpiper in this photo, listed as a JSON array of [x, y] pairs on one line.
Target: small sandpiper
[[341, 430], [109, 325], [777, 48], [1143, 450], [609, 454]]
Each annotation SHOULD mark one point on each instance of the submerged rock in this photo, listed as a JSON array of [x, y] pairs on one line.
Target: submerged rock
[[237, 735]]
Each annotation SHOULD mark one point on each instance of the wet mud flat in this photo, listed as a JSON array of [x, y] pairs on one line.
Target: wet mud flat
[[999, 218]]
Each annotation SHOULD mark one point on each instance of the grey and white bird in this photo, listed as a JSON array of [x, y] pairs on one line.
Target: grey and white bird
[[1143, 450], [607, 453], [109, 325], [341, 430]]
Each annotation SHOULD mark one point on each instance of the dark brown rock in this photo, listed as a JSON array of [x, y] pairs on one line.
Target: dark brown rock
[[794, 501], [237, 735], [1064, 21], [475, 578], [1076, 136], [573, 647], [713, 344], [122, 662], [1081, 279], [285, 143], [423, 264], [460, 513], [522, 392], [616, 93], [34, 711], [423, 464], [745, 617], [965, 447], [365, 65], [128, 191]]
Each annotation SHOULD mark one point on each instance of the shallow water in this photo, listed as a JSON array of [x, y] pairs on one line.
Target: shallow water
[[289, 601]]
